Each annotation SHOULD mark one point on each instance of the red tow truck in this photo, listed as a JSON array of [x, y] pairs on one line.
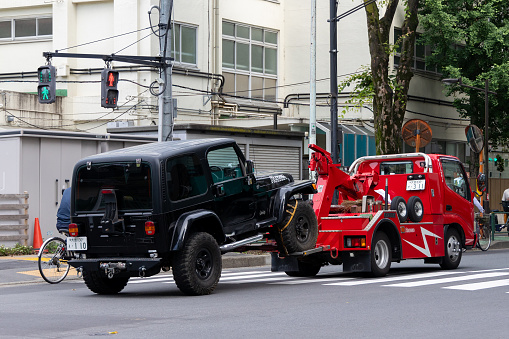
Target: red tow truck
[[389, 208]]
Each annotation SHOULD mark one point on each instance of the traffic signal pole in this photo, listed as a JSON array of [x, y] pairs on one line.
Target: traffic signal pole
[[165, 128]]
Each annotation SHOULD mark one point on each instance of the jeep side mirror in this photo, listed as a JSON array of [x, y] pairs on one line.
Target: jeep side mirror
[[249, 167]]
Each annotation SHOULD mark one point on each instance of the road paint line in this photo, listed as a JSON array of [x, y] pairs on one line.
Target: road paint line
[[254, 280], [480, 285], [365, 281], [448, 280], [298, 281]]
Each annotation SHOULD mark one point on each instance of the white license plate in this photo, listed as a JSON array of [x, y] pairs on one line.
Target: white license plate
[[77, 243], [415, 185]]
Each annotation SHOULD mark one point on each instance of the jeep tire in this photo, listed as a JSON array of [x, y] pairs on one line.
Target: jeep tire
[[197, 267], [103, 285], [299, 229]]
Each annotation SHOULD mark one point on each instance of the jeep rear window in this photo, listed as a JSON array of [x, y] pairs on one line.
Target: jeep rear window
[[396, 167], [130, 181]]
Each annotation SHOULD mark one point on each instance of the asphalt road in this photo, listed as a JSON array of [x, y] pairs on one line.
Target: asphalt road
[[414, 300]]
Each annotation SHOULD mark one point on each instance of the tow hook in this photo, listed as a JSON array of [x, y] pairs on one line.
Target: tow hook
[[142, 271], [112, 268], [79, 272]]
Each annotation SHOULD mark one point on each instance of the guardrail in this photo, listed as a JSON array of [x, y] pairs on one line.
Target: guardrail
[[497, 228], [14, 217]]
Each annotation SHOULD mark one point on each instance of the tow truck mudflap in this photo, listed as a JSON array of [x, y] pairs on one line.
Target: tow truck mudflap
[[127, 267], [353, 261]]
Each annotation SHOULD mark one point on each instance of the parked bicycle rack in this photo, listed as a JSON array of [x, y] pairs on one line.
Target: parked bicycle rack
[[497, 228]]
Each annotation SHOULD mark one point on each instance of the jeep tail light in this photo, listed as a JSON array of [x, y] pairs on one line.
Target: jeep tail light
[[150, 228], [355, 242], [73, 230]]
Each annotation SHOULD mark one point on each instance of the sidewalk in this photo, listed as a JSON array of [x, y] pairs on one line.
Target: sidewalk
[[23, 269]]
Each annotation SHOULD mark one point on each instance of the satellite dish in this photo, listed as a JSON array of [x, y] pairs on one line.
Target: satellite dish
[[416, 133], [474, 138]]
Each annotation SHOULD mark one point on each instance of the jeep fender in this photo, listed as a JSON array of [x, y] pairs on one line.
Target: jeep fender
[[285, 193], [184, 226]]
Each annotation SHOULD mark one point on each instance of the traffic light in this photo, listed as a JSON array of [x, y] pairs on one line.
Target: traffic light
[[109, 91], [47, 84]]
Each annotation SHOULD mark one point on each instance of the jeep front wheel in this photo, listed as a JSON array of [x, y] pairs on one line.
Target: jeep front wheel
[[197, 267], [299, 229]]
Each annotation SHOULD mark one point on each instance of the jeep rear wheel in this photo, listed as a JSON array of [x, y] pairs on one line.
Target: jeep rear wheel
[[197, 267], [299, 229], [103, 285]]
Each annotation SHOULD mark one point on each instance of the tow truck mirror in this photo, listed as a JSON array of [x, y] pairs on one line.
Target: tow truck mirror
[[481, 182], [249, 167]]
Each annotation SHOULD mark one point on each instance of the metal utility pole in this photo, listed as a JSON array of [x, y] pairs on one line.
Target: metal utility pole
[[165, 130], [486, 147], [334, 80], [312, 94]]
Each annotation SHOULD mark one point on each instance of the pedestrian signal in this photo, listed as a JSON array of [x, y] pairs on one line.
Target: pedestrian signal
[[109, 91], [47, 84]]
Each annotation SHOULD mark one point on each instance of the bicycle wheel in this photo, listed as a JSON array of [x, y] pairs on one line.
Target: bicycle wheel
[[484, 238], [53, 260]]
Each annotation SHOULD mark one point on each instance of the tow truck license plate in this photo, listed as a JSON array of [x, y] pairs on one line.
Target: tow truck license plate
[[415, 185], [77, 243]]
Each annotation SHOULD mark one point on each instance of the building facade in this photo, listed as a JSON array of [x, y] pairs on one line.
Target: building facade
[[236, 63]]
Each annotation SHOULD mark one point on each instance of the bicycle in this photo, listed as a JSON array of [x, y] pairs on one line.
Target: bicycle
[[52, 260], [484, 231]]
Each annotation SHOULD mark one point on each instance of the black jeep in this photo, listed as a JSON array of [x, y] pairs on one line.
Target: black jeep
[[179, 204]]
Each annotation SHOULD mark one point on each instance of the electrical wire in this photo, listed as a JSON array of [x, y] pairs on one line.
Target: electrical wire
[[111, 37]]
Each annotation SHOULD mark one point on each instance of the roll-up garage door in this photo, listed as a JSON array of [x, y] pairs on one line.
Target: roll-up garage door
[[276, 159]]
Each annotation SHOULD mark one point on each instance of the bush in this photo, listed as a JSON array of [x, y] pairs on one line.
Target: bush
[[16, 250]]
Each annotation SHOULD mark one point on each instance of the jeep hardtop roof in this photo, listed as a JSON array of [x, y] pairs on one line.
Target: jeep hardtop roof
[[157, 150]]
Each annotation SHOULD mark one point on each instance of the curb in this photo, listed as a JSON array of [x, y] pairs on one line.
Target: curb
[[236, 260]]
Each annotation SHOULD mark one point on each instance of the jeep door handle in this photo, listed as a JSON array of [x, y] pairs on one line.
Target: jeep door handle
[[219, 190]]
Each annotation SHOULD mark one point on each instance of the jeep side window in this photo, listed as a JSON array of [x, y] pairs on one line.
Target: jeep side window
[[224, 164], [455, 178], [185, 177]]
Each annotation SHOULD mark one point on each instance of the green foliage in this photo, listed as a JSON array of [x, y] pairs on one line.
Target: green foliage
[[18, 249], [362, 92], [470, 40]]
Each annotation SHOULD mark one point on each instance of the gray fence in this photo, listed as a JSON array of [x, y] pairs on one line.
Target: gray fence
[[14, 218]]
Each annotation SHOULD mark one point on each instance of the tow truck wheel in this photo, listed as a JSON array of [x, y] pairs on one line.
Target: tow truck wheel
[[453, 250], [299, 229], [381, 255], [398, 204], [197, 267], [103, 285], [415, 209], [305, 270]]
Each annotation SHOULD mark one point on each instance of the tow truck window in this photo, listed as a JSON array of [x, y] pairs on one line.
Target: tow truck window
[[396, 167], [455, 178]]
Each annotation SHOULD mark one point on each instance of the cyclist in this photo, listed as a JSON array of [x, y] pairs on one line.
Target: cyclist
[[64, 212]]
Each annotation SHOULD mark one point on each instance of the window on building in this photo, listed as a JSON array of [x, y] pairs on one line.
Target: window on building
[[26, 28], [420, 53], [183, 42], [249, 61]]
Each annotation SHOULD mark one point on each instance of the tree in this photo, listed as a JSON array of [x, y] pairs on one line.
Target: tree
[[390, 95], [470, 40]]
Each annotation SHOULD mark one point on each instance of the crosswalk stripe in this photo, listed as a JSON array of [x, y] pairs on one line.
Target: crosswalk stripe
[[480, 285], [250, 276], [365, 281], [255, 280], [448, 280], [149, 280], [308, 281]]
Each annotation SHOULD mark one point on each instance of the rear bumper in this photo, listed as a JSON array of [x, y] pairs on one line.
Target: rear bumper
[[127, 267]]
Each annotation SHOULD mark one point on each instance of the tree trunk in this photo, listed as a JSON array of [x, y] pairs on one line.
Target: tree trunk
[[389, 105]]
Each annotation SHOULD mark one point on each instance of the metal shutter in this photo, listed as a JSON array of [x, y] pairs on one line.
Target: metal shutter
[[276, 159]]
